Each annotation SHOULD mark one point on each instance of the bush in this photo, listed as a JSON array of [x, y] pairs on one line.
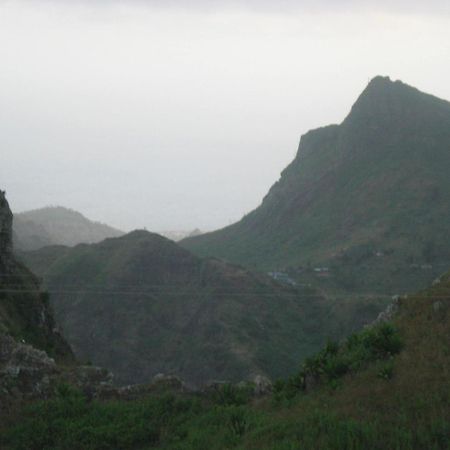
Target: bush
[[334, 360], [229, 394], [386, 371]]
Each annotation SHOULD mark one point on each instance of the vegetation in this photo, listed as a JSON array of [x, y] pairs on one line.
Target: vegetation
[[367, 199], [392, 393], [140, 304], [334, 361]]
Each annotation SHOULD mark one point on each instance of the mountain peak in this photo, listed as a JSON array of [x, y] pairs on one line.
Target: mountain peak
[[380, 98], [386, 101], [379, 81]]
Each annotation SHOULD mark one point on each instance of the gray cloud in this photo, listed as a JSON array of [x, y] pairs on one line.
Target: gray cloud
[[273, 6]]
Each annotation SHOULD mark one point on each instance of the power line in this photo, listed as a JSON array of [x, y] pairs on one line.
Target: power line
[[213, 293]]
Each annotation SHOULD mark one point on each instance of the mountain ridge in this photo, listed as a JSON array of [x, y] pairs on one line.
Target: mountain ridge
[[140, 304], [375, 184], [57, 225]]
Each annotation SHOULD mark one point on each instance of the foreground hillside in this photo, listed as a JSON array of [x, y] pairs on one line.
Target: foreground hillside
[[57, 226], [367, 199], [140, 304], [386, 387]]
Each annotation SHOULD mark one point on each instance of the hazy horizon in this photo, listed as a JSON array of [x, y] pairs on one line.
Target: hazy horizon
[[173, 117]]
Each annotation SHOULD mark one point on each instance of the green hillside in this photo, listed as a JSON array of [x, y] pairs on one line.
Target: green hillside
[[140, 305], [367, 199], [57, 226], [386, 387]]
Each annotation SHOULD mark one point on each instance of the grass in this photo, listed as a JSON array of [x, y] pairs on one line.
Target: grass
[[386, 387]]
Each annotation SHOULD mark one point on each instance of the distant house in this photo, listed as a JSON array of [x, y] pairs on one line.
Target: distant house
[[282, 277]]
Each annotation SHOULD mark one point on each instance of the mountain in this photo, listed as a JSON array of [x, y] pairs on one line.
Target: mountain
[[367, 200], [57, 226], [140, 304]]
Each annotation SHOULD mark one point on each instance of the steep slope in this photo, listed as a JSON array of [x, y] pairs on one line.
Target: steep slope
[[24, 308], [57, 226], [140, 304], [367, 198]]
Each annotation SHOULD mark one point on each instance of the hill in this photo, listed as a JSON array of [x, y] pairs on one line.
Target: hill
[[386, 387], [367, 200], [57, 226], [140, 304]]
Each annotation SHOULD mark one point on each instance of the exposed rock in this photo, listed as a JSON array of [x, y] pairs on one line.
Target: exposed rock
[[25, 312], [388, 313], [436, 281], [6, 219], [25, 372], [263, 385], [28, 334]]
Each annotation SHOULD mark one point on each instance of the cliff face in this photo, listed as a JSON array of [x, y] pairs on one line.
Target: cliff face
[[5, 232], [25, 314]]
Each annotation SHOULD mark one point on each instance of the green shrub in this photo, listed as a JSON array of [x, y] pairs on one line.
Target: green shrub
[[386, 371], [230, 394], [334, 360]]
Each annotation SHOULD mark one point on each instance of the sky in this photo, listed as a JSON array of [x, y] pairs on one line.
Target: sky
[[175, 115]]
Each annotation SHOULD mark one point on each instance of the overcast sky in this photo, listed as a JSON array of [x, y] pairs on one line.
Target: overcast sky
[[173, 115]]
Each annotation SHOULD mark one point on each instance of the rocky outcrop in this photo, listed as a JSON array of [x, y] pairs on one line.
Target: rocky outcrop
[[25, 372], [389, 313], [6, 219], [25, 313], [30, 342]]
